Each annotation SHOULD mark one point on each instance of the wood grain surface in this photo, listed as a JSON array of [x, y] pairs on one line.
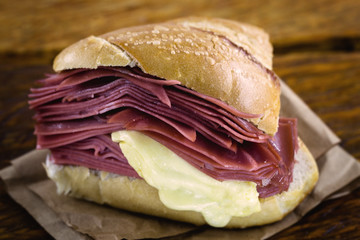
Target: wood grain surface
[[317, 53]]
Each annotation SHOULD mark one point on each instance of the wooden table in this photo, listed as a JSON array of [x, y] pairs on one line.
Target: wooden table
[[316, 48]]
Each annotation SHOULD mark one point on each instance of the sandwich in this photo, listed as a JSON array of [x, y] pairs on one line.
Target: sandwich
[[178, 120]]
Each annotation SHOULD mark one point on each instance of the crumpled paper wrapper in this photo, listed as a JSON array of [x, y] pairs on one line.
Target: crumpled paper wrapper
[[67, 218]]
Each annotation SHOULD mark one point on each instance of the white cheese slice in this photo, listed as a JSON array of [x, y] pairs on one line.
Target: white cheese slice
[[183, 187]]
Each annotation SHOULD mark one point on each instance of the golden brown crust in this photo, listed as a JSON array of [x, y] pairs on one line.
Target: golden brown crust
[[137, 196], [224, 59], [90, 53], [253, 39]]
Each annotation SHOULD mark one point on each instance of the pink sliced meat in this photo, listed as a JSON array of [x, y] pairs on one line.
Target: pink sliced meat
[[98, 153], [77, 110], [121, 73], [121, 93]]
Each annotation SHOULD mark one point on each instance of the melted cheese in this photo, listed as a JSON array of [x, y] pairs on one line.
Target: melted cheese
[[183, 187]]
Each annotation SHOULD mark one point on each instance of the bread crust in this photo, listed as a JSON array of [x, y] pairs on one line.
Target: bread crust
[[137, 196], [228, 60]]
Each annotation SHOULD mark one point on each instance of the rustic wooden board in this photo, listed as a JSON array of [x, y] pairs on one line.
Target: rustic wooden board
[[317, 54], [52, 25]]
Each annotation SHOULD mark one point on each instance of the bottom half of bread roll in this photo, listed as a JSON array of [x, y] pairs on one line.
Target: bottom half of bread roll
[[136, 195]]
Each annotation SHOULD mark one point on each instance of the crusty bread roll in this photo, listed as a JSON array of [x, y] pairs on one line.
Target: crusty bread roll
[[223, 59], [137, 196]]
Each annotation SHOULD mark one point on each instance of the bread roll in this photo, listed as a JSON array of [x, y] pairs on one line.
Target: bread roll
[[137, 196], [224, 59]]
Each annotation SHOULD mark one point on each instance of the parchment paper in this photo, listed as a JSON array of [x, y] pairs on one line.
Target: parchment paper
[[67, 218]]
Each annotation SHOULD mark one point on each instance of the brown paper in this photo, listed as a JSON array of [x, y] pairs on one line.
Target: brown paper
[[27, 170], [316, 135], [84, 216], [67, 218]]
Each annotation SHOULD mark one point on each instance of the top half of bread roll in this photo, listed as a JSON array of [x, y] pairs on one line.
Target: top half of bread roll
[[224, 59]]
